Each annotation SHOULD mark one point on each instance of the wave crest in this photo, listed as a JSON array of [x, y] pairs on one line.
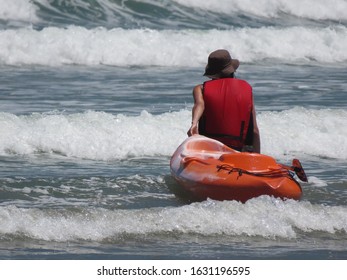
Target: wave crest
[[103, 136], [172, 14], [209, 218], [147, 47]]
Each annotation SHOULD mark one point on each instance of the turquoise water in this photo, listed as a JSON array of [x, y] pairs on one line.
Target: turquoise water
[[96, 96]]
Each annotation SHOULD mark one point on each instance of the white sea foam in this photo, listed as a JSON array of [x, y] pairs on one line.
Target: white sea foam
[[316, 132], [317, 182], [146, 47], [312, 9], [93, 135], [102, 136], [23, 10], [264, 216]]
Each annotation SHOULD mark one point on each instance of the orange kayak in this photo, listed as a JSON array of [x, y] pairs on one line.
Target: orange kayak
[[206, 168]]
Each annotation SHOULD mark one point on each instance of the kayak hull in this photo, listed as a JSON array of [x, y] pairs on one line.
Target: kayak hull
[[206, 168]]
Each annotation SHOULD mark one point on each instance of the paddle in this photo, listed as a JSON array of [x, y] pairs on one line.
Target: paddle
[[298, 169]]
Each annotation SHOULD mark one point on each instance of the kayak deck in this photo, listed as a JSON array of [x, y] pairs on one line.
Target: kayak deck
[[208, 169]]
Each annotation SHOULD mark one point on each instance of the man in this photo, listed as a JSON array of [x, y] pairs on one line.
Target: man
[[223, 107]]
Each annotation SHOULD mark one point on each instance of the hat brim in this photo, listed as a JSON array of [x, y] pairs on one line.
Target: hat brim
[[225, 72]]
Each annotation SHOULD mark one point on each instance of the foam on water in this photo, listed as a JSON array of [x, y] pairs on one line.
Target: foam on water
[[310, 9], [93, 135], [313, 9], [102, 136], [264, 216], [121, 193], [305, 131], [186, 48], [22, 10]]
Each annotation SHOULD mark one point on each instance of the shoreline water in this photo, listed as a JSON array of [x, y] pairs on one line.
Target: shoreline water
[[96, 96]]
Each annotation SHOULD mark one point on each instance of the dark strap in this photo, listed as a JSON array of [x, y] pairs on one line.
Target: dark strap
[[228, 136]]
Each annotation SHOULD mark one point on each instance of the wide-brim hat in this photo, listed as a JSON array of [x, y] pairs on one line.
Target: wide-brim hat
[[220, 64]]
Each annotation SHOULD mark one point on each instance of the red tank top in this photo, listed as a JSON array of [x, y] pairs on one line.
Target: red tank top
[[228, 109]]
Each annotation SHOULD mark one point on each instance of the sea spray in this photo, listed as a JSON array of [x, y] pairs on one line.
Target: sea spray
[[103, 136], [55, 46], [312, 9], [264, 216], [106, 11]]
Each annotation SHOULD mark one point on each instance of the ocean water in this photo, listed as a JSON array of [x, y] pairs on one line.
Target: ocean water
[[95, 96]]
